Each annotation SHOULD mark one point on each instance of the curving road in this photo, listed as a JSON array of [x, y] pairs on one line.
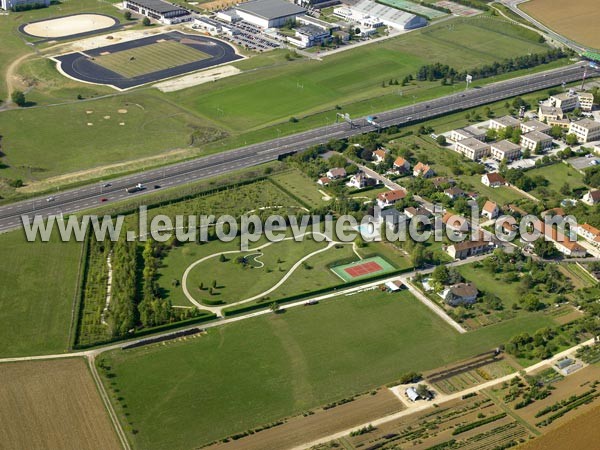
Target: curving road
[[78, 199]]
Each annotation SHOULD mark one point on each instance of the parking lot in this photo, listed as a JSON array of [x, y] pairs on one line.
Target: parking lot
[[252, 37]]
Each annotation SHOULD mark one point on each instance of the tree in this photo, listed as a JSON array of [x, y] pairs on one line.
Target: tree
[[146, 22], [422, 391], [18, 98], [418, 256], [571, 139], [565, 189], [441, 139], [544, 248], [274, 307], [440, 275], [222, 258], [127, 15]]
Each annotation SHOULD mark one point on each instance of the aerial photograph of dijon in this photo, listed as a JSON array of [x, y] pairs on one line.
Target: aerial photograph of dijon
[[299, 224]]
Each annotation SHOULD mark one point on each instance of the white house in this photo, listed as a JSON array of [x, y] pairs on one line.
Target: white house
[[493, 179], [388, 198], [490, 210], [591, 197]]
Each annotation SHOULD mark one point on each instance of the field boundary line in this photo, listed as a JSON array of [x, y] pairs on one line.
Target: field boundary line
[[107, 404]]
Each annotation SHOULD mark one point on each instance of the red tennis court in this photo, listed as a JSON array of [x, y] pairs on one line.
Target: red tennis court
[[363, 269]]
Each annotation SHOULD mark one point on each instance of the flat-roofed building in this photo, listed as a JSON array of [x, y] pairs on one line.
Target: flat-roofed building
[[17, 5], [548, 113], [563, 123], [534, 125], [567, 101], [472, 148], [535, 140], [505, 150], [269, 13], [466, 133], [503, 122], [586, 130], [158, 10], [586, 101]]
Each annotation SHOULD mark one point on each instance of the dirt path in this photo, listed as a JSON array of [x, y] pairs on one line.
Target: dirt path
[[10, 81]]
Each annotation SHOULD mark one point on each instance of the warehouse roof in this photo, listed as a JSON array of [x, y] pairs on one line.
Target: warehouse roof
[[270, 9], [157, 5]]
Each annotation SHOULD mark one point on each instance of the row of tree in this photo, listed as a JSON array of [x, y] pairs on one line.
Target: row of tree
[[438, 71]]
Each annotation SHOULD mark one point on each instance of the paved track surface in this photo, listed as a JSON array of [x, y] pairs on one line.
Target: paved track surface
[[78, 199], [80, 66]]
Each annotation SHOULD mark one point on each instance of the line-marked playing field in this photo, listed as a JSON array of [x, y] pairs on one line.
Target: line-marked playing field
[[363, 269], [149, 58]]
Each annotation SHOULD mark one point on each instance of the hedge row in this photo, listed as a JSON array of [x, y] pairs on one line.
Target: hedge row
[[158, 329]]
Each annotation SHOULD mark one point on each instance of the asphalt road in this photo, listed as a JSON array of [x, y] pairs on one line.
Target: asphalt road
[[78, 199]]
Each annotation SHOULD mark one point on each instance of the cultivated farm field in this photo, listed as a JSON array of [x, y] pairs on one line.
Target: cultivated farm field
[[577, 20], [52, 404]]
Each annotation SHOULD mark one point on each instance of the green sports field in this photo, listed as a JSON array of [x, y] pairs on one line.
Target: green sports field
[[362, 269], [150, 58], [239, 376]]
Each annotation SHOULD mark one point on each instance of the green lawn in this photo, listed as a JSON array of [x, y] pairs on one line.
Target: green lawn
[[557, 175], [256, 99], [253, 106], [302, 187], [501, 195], [243, 375], [37, 148], [236, 282], [38, 282], [15, 45], [150, 58], [487, 282]]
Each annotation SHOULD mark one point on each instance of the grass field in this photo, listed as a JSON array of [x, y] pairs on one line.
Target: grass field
[[250, 107], [150, 126], [575, 20], [235, 282], [240, 103], [52, 404], [38, 289], [150, 58], [250, 373], [557, 175]]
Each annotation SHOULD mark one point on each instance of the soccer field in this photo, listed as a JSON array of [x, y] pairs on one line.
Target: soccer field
[[150, 58]]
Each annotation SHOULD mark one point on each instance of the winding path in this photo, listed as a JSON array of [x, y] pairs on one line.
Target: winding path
[[218, 310]]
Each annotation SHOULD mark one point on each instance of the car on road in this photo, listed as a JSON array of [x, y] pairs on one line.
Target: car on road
[[157, 186], [103, 199], [50, 199], [107, 185]]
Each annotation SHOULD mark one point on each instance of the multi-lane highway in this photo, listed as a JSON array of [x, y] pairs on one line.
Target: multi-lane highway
[[78, 199]]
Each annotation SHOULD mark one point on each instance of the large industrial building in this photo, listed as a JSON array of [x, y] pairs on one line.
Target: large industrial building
[[158, 10], [17, 4], [372, 14], [269, 13]]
